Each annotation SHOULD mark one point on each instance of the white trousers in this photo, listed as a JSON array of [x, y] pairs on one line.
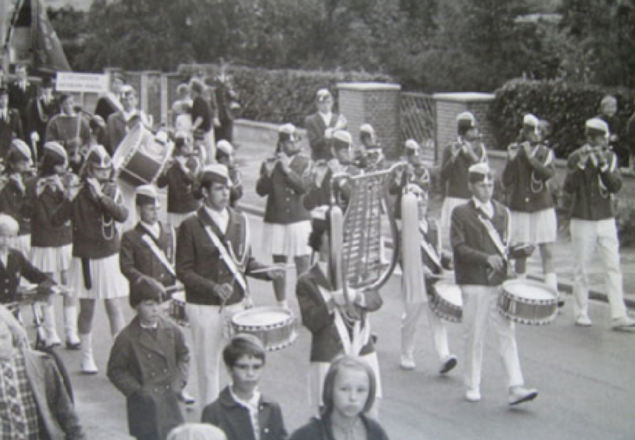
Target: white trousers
[[410, 319], [589, 236], [210, 333], [479, 310]]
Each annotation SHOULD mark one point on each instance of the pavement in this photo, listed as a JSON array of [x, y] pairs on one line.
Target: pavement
[[251, 153]]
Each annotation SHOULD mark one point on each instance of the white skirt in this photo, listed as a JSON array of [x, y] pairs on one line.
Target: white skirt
[[449, 203], [52, 259], [291, 240], [107, 280], [175, 219], [23, 244], [534, 227]]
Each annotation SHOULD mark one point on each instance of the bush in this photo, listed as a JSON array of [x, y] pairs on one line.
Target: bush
[[565, 105], [281, 96]]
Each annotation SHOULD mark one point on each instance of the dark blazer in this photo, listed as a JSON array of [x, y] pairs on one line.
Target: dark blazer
[[592, 200], [137, 260], [95, 234], [454, 172], [318, 316], [315, 127], [13, 202], [525, 180], [150, 372], [105, 107], [285, 191], [198, 263], [43, 232], [10, 129], [319, 196], [38, 116], [180, 185], [235, 421], [320, 429], [17, 267], [472, 245], [19, 99]]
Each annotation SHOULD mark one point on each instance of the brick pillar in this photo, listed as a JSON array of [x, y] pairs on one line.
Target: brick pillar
[[376, 104], [449, 105]]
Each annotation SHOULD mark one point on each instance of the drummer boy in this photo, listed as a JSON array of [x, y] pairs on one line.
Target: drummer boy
[[479, 233], [241, 411]]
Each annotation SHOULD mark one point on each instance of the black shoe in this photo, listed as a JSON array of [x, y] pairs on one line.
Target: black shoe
[[72, 345], [448, 365]]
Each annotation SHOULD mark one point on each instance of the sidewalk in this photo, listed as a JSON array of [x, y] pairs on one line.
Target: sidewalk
[[251, 153]]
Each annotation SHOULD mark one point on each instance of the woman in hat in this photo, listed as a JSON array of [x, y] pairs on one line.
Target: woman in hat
[[94, 210]]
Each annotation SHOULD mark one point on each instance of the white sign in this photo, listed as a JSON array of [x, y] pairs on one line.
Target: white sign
[[81, 82]]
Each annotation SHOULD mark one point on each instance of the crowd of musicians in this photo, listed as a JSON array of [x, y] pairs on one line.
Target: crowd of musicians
[[61, 211]]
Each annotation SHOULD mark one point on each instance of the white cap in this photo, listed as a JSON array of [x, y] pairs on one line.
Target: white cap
[[216, 172], [225, 147], [56, 148], [466, 119], [367, 128], [597, 126], [479, 172], [147, 194], [342, 139], [287, 132], [22, 148], [411, 144], [322, 95], [531, 120]]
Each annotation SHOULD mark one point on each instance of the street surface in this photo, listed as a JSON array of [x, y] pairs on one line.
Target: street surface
[[585, 377]]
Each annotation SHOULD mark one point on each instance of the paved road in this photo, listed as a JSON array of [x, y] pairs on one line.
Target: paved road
[[585, 378]]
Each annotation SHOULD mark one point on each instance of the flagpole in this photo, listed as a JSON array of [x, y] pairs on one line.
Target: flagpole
[[3, 35]]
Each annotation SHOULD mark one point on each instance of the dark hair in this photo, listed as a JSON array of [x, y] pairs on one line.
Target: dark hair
[[48, 164], [220, 154], [464, 129], [63, 97], [338, 364], [243, 344], [14, 157]]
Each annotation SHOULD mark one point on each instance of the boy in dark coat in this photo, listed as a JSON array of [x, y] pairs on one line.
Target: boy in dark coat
[[149, 364]]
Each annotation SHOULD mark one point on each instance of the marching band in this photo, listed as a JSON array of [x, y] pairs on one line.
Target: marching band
[[69, 195]]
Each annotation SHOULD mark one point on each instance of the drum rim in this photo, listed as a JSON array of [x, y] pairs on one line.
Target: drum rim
[[290, 317], [533, 283]]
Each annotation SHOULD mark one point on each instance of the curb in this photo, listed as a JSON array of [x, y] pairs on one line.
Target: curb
[[562, 286]]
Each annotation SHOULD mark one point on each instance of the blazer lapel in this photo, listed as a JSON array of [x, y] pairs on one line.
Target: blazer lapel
[[147, 341], [206, 220]]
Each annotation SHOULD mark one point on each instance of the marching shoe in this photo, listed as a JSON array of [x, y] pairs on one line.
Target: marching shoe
[[72, 344], [448, 364], [407, 363], [186, 398], [473, 395], [53, 340], [87, 363], [583, 321], [622, 323], [521, 394]]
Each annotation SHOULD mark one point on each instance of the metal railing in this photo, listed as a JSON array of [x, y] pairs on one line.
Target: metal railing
[[417, 119]]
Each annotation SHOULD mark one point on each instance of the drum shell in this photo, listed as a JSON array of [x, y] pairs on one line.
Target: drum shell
[[176, 309], [526, 310], [441, 306], [140, 169], [274, 336]]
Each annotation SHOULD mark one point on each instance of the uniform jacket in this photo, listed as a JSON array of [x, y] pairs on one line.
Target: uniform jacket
[[117, 130], [18, 266], [150, 372], [180, 197], [55, 407], [318, 316], [235, 421], [19, 99], [236, 191], [285, 191], [39, 114], [201, 109], [10, 129], [321, 195], [106, 107], [454, 171], [315, 127], [591, 188], [525, 179], [43, 232], [417, 175], [137, 260], [14, 202], [318, 429], [472, 245], [95, 234], [198, 263]]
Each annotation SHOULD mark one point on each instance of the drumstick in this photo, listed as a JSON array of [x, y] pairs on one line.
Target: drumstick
[[268, 268]]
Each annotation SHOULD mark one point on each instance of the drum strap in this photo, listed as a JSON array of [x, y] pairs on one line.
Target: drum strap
[[229, 262], [494, 236], [352, 341], [158, 253], [430, 251]]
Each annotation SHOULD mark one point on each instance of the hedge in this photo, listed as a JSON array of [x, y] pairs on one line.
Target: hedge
[[565, 105], [281, 96]]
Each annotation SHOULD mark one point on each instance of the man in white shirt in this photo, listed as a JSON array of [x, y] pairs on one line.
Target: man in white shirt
[[320, 126], [120, 123]]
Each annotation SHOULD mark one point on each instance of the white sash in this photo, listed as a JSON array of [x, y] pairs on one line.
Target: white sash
[[224, 255], [354, 343], [158, 253], [494, 236]]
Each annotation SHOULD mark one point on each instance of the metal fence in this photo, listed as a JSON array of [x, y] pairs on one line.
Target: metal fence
[[417, 118]]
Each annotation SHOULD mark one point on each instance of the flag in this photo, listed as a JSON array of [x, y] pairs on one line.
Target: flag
[[48, 54]]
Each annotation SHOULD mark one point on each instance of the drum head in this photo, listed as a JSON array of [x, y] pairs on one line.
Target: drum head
[[179, 296], [529, 290], [262, 317], [128, 145], [450, 293]]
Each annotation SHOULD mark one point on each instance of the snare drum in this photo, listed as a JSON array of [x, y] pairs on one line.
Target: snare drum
[[528, 302], [274, 326], [176, 310], [446, 302], [140, 159]]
